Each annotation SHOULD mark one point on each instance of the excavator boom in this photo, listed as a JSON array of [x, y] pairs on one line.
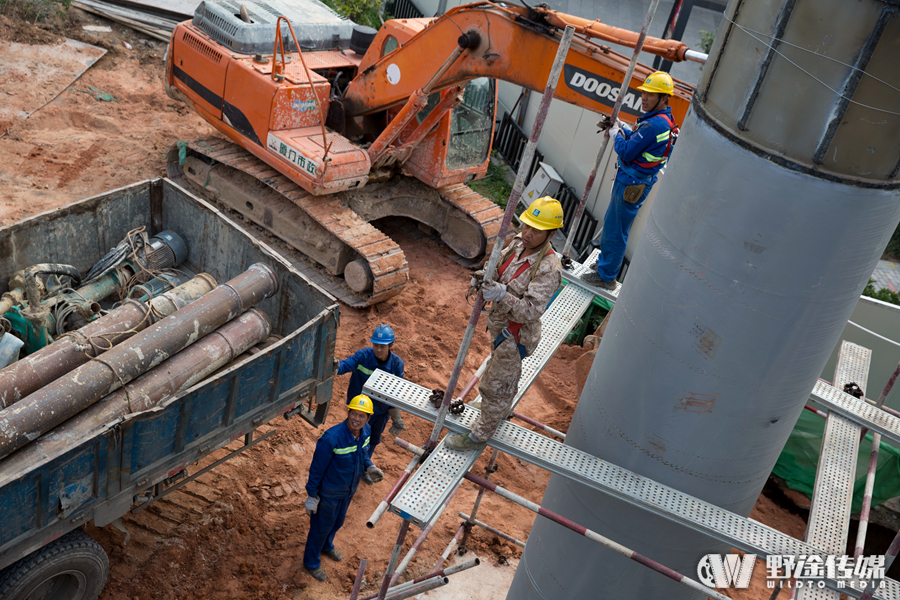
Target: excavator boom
[[332, 127], [513, 44]]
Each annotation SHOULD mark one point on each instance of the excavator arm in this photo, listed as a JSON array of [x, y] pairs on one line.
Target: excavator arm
[[513, 44]]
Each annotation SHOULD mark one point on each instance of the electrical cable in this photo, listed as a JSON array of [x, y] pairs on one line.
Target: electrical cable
[[850, 100], [781, 41]]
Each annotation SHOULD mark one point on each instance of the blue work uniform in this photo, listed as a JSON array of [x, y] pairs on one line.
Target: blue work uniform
[[642, 153], [338, 462], [362, 364]]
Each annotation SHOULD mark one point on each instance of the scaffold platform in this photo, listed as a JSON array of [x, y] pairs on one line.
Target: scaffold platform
[[829, 516], [420, 498]]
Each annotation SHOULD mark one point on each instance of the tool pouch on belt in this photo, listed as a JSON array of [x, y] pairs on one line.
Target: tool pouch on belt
[[633, 193]]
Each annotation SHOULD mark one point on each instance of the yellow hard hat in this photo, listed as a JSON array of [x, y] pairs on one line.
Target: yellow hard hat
[[362, 403], [544, 213], [658, 83]]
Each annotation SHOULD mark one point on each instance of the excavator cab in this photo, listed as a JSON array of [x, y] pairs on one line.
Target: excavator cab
[[457, 150], [472, 126]]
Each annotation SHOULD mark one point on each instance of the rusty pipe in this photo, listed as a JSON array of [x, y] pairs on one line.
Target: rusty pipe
[[175, 375], [77, 347], [64, 398]]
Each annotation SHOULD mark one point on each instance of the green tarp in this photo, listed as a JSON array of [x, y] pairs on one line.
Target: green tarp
[[798, 460]]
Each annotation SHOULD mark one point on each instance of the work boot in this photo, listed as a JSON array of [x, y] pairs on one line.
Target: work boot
[[318, 573], [334, 555], [463, 442], [592, 278], [366, 478]]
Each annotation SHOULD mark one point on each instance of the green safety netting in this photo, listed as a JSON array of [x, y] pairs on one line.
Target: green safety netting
[[798, 460]]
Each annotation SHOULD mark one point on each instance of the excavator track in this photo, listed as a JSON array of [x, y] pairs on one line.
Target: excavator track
[[385, 260], [340, 246]]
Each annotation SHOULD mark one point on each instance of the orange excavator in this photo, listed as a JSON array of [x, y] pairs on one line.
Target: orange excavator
[[333, 125]]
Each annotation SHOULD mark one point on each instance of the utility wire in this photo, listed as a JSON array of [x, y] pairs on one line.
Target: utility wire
[[750, 32]]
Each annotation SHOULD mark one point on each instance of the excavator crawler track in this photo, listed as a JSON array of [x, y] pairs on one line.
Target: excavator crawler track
[[339, 245], [383, 257]]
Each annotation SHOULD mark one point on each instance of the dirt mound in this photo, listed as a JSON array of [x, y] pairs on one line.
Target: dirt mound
[[78, 145]]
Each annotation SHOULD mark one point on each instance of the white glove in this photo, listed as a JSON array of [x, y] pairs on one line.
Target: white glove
[[615, 129], [311, 505], [375, 473], [493, 291], [473, 283], [397, 421]]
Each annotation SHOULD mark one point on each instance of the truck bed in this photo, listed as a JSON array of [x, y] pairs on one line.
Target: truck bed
[[99, 479]]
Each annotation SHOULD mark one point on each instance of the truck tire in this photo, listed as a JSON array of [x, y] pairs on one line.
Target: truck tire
[[74, 567]]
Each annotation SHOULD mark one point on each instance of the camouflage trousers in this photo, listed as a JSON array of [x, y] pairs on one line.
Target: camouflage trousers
[[498, 387]]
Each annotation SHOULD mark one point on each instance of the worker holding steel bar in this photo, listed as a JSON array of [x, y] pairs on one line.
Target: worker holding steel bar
[[528, 276], [340, 459], [642, 153], [362, 364]]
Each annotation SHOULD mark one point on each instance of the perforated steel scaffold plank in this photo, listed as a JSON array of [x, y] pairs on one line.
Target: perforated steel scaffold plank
[[742, 533], [857, 410], [429, 486], [829, 515], [573, 277]]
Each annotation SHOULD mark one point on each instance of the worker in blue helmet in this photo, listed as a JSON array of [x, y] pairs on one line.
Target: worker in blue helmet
[[362, 364]]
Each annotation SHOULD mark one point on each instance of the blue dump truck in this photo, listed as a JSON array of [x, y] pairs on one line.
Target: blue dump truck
[[135, 460]]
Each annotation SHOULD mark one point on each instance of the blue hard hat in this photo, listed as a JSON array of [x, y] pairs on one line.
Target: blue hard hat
[[383, 334]]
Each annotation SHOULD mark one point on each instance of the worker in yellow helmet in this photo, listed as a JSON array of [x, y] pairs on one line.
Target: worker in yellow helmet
[[642, 153], [528, 276], [340, 459]]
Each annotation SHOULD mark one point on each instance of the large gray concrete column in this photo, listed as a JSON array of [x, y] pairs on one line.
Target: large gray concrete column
[[780, 197]]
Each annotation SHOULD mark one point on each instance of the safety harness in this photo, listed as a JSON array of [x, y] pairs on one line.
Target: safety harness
[[671, 135], [513, 328]]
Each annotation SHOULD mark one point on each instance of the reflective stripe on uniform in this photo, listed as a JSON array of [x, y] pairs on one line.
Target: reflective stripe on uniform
[[663, 136], [346, 450], [651, 158], [366, 443], [365, 370]]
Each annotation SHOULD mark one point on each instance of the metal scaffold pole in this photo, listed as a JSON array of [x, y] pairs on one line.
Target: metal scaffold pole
[[497, 250], [623, 89]]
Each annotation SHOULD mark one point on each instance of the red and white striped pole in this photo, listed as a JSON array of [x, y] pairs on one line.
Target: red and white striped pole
[[447, 552], [867, 496], [383, 506], [822, 414], [493, 530], [596, 537], [415, 547], [889, 557], [541, 426], [357, 584]]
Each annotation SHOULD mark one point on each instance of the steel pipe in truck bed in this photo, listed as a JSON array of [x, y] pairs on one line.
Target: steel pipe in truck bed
[[62, 399], [184, 370], [77, 347]]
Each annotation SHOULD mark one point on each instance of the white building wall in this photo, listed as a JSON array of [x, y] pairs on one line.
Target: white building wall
[[569, 141]]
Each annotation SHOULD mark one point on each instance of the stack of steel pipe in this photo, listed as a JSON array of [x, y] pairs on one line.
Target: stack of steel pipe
[[66, 396], [173, 376], [77, 347]]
